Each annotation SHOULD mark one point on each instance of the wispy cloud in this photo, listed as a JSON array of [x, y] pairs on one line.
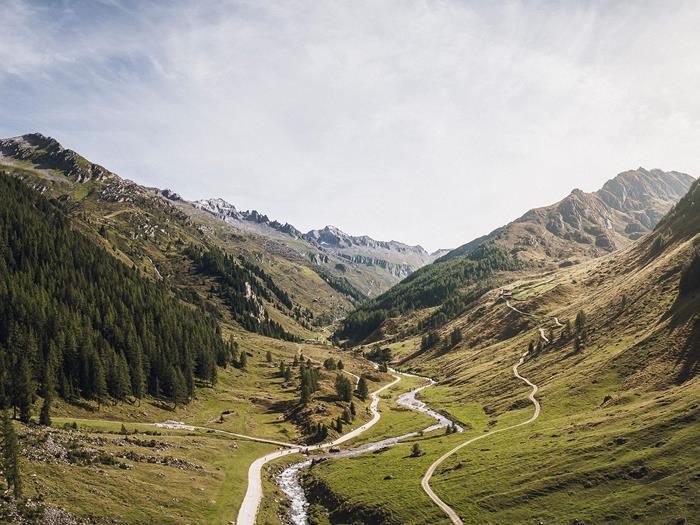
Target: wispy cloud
[[428, 122]]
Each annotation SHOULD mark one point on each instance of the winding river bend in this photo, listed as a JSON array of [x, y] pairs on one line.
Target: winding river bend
[[288, 479]]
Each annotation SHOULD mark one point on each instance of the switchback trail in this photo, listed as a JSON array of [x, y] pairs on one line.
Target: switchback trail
[[425, 482]]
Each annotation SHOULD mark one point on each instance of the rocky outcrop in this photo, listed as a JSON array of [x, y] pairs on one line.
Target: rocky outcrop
[[228, 212], [591, 224], [46, 153]]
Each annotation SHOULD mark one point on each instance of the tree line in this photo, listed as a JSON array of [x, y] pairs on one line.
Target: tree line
[[236, 279], [78, 323], [430, 286]]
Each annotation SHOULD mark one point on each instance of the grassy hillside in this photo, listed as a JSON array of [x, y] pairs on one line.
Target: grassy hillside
[[124, 273], [615, 439], [151, 231]]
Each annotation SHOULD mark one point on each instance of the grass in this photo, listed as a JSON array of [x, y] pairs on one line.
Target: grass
[[396, 420], [615, 440], [211, 492], [255, 401]]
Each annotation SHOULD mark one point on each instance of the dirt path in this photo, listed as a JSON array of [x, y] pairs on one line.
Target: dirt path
[[251, 502], [178, 425], [425, 482]]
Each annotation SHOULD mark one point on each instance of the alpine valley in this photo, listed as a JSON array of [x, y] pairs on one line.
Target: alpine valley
[[168, 361]]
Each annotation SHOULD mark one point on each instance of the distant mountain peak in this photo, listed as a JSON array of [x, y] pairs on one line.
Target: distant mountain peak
[[584, 225]]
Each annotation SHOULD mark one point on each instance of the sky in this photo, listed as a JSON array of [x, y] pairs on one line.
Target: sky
[[427, 122]]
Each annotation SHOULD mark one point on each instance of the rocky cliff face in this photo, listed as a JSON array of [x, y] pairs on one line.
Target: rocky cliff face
[[47, 153], [397, 258], [584, 225], [228, 212]]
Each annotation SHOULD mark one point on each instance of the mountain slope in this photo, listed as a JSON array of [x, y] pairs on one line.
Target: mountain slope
[[579, 227], [369, 266], [152, 230], [616, 438], [74, 317], [584, 225]]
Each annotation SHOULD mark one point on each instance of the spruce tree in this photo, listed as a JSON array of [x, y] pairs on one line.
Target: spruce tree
[[416, 450], [362, 390], [47, 393], [10, 456], [268, 356], [343, 388], [243, 360], [23, 388], [305, 396]]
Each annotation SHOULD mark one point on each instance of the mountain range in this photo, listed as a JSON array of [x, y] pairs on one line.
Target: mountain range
[[173, 346]]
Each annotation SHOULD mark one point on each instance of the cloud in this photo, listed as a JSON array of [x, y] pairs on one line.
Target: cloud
[[426, 122]]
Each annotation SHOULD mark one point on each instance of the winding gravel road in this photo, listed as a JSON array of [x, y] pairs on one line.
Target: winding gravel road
[[289, 482], [251, 502]]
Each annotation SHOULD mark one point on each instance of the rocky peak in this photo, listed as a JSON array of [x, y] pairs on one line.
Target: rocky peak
[[47, 153], [640, 188], [332, 237], [218, 207]]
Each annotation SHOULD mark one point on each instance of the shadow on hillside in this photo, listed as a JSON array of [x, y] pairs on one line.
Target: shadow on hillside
[[683, 316], [690, 354]]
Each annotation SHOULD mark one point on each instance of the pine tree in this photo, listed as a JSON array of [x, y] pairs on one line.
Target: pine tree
[[339, 425], [179, 390], [47, 393], [340, 365], [353, 410], [243, 360], [99, 381], [295, 363], [581, 322], [416, 450], [347, 417], [567, 332], [305, 394], [362, 390], [343, 388], [23, 388], [10, 456], [455, 337], [268, 356], [283, 368]]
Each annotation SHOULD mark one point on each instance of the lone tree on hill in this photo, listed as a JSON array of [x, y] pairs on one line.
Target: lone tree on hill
[[581, 323], [343, 388], [362, 390], [268, 356], [416, 451], [455, 337]]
